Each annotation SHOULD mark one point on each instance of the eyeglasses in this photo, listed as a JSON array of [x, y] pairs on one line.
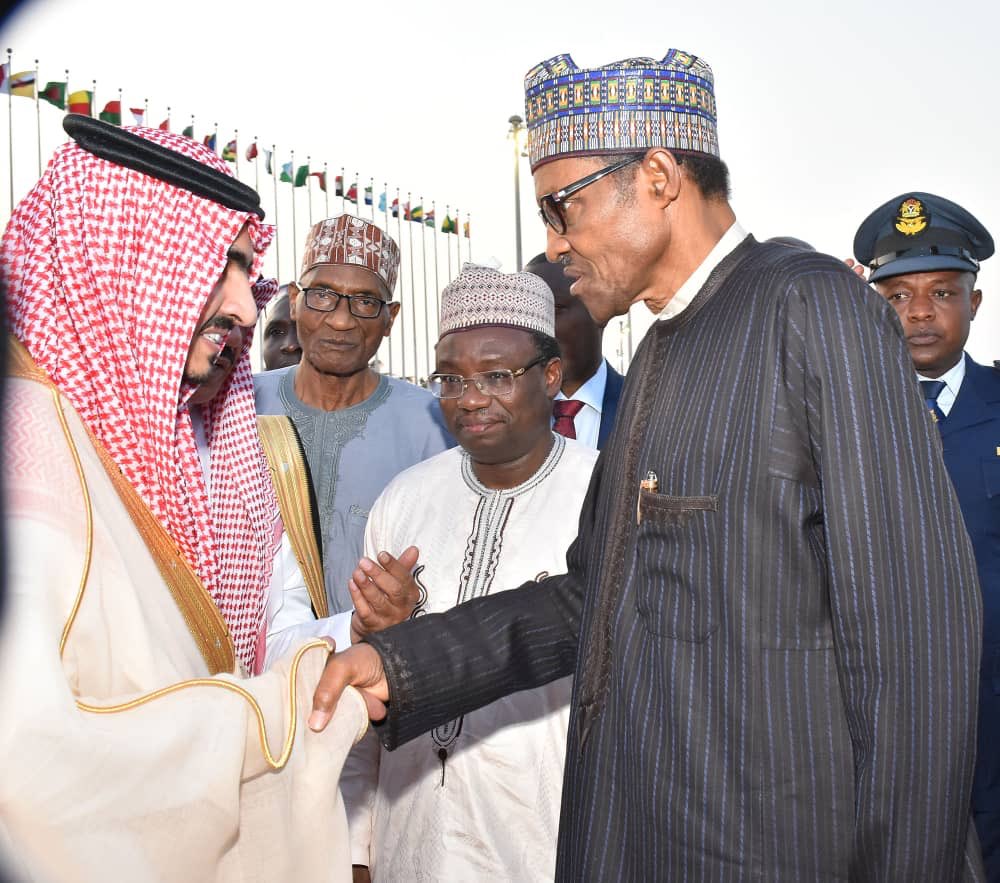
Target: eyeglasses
[[489, 383], [326, 300], [550, 206]]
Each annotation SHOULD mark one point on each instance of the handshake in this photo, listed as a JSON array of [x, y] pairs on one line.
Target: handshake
[[385, 592]]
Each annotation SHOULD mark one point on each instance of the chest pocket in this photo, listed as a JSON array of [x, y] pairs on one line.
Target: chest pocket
[[675, 594]]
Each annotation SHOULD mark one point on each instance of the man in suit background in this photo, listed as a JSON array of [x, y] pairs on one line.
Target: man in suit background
[[924, 253], [587, 404]]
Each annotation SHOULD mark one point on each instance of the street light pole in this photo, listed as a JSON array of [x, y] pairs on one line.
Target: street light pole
[[516, 127]]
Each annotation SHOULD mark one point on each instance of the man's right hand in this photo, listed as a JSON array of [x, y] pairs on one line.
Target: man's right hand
[[384, 592], [359, 666]]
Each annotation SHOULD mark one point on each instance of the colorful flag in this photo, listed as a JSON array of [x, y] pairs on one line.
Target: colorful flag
[[429, 218], [54, 93], [448, 225], [267, 162], [381, 202], [209, 141], [79, 102], [252, 152], [338, 185], [287, 175], [352, 194], [22, 83], [368, 196], [466, 226], [112, 113], [395, 208], [416, 213], [139, 115], [322, 179], [229, 151], [406, 212], [165, 125], [188, 131], [302, 176]]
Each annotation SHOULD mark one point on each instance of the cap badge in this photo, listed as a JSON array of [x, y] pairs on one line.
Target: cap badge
[[912, 217]]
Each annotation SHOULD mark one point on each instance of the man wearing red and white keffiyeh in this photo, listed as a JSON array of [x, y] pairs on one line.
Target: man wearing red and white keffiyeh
[[122, 287]]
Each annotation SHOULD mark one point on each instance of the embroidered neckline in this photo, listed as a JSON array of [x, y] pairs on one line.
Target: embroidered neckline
[[544, 471]]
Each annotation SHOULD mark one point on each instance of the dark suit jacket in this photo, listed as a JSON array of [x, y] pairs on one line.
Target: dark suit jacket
[[609, 404], [971, 439], [776, 650]]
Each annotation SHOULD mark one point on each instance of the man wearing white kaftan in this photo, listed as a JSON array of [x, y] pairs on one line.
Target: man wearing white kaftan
[[476, 799]]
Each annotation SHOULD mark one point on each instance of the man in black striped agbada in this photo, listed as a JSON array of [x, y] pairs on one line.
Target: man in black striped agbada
[[771, 609]]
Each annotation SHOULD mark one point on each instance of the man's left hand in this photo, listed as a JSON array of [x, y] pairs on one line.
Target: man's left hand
[[384, 592]]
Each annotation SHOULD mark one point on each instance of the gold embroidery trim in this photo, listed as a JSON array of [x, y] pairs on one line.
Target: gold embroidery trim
[[291, 485], [275, 763], [202, 617]]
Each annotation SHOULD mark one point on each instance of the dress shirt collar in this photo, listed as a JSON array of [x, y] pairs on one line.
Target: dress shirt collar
[[592, 392], [952, 378], [685, 294]]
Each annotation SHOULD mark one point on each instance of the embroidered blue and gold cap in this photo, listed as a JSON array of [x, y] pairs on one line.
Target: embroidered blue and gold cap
[[629, 105], [919, 232]]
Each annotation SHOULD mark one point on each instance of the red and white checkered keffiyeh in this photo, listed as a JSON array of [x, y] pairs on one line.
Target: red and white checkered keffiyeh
[[107, 272]]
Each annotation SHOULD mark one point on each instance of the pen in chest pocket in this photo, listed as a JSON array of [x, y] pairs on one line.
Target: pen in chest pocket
[[650, 483]]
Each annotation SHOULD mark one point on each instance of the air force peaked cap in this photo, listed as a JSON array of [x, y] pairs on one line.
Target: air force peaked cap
[[919, 232]]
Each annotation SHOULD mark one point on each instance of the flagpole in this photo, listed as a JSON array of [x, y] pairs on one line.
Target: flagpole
[[145, 112], [256, 172], [215, 138], [371, 185], [309, 190], [343, 190], [326, 191], [437, 289], [38, 121], [10, 128], [93, 98], [168, 117], [468, 220], [277, 238], [423, 267], [447, 250], [385, 210], [413, 291], [402, 292], [295, 235], [236, 138], [458, 241]]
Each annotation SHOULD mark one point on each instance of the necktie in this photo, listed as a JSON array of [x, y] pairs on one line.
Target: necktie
[[931, 390], [565, 410]]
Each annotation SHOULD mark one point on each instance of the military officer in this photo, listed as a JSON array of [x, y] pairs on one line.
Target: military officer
[[923, 252]]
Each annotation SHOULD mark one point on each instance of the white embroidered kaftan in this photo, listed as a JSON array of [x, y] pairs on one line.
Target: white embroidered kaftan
[[477, 799]]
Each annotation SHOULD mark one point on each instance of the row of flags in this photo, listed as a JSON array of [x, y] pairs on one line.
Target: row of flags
[[24, 84], [300, 177]]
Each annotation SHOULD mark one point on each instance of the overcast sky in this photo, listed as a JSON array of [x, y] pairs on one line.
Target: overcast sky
[[825, 109]]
